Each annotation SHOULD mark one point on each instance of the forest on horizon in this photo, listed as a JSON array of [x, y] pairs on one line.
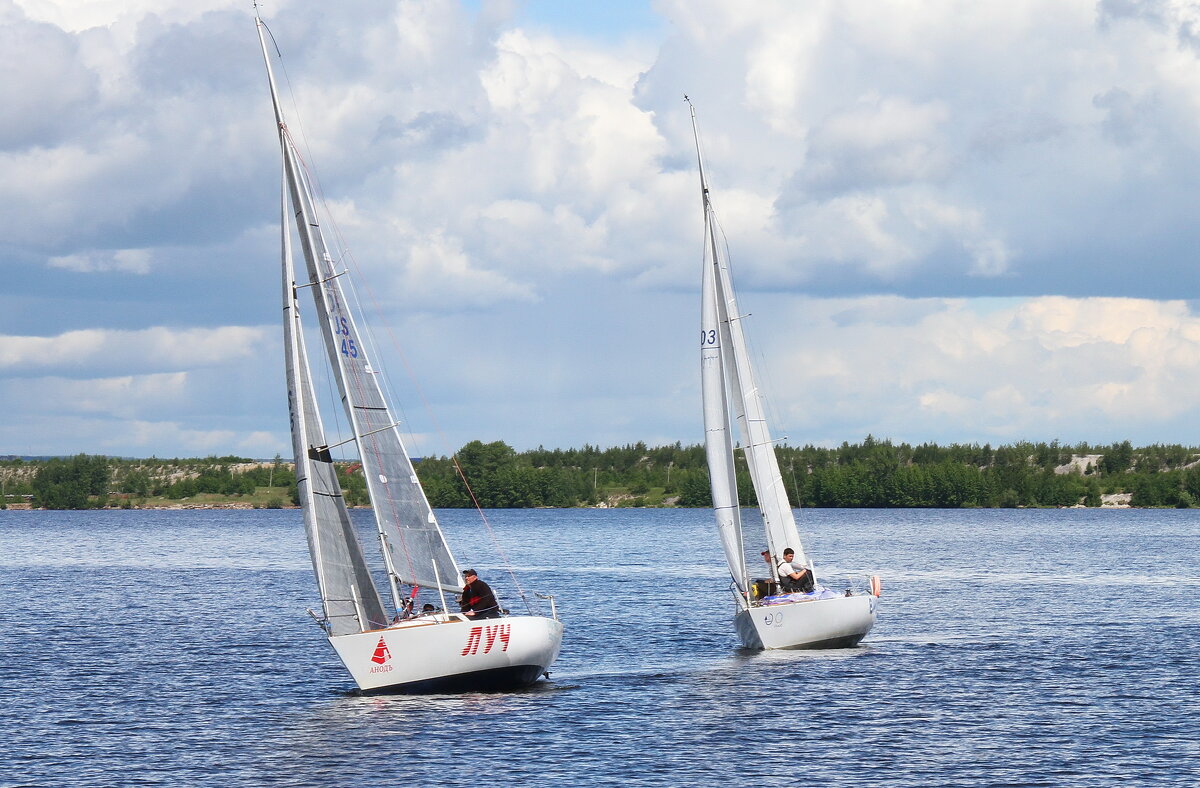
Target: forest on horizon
[[869, 474]]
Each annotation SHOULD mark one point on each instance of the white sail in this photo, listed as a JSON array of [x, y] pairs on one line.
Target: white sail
[[414, 548], [348, 595], [718, 437], [724, 338], [416, 551], [429, 652], [772, 496]]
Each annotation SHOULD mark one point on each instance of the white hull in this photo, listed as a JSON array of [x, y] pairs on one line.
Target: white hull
[[840, 622], [451, 653]]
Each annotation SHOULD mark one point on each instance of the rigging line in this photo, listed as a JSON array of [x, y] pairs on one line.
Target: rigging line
[[367, 330], [374, 347], [796, 486], [346, 258], [346, 255], [371, 451], [299, 122], [771, 413], [495, 541], [416, 385], [763, 369]]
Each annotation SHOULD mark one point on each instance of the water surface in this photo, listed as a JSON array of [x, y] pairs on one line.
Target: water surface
[[1014, 647]]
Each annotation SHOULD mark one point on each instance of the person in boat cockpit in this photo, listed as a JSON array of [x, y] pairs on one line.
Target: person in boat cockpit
[[791, 577], [478, 601]]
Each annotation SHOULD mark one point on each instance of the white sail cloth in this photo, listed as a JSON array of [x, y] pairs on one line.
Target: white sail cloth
[[414, 549], [728, 385]]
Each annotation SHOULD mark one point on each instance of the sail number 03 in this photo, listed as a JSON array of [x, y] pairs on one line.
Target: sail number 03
[[708, 337], [340, 326]]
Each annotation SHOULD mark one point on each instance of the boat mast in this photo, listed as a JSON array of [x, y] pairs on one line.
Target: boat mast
[[718, 436]]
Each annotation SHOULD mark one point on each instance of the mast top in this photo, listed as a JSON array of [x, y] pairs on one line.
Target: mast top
[[699, 158]]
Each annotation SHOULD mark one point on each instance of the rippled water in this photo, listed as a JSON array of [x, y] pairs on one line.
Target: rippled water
[[1055, 648]]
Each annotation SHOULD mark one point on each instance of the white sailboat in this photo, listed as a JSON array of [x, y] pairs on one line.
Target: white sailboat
[[764, 618], [442, 651]]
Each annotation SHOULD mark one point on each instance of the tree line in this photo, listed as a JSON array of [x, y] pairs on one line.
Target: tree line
[[872, 473]]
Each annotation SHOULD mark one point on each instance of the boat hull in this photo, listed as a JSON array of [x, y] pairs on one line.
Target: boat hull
[[840, 622], [451, 654]]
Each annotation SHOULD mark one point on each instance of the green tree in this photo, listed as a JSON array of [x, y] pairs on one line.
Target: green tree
[[70, 484]]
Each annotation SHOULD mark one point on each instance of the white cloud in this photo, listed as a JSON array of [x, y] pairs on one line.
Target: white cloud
[[199, 442], [1078, 369], [123, 397], [483, 173], [158, 347], [439, 273], [79, 15], [133, 261]]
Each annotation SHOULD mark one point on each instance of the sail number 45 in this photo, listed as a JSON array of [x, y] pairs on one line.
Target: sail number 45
[[340, 326]]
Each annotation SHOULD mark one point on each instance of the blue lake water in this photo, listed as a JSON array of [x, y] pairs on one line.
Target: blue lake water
[[1033, 648]]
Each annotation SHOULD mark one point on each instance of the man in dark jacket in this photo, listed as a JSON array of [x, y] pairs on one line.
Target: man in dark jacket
[[478, 601]]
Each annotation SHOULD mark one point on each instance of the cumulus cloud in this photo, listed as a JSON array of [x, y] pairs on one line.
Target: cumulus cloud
[[944, 149], [134, 261], [150, 348], [128, 396], [1092, 369], [483, 172]]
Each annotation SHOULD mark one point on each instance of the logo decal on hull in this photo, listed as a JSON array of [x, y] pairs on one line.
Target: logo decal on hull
[[382, 654], [487, 637]]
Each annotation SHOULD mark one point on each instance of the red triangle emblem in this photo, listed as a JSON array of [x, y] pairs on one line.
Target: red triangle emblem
[[381, 654]]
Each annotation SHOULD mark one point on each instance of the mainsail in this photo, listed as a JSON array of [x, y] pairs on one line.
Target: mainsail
[[718, 437], [414, 549], [730, 382], [350, 599]]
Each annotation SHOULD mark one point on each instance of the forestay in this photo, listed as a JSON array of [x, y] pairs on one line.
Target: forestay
[[718, 438]]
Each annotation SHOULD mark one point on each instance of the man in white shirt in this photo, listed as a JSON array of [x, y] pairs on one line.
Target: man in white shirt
[[793, 578]]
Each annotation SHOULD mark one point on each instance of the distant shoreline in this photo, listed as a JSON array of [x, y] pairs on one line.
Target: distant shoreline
[[240, 506]]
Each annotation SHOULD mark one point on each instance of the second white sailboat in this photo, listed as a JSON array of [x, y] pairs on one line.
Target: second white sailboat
[[767, 614]]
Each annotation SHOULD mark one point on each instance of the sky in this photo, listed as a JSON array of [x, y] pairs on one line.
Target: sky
[[949, 222]]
